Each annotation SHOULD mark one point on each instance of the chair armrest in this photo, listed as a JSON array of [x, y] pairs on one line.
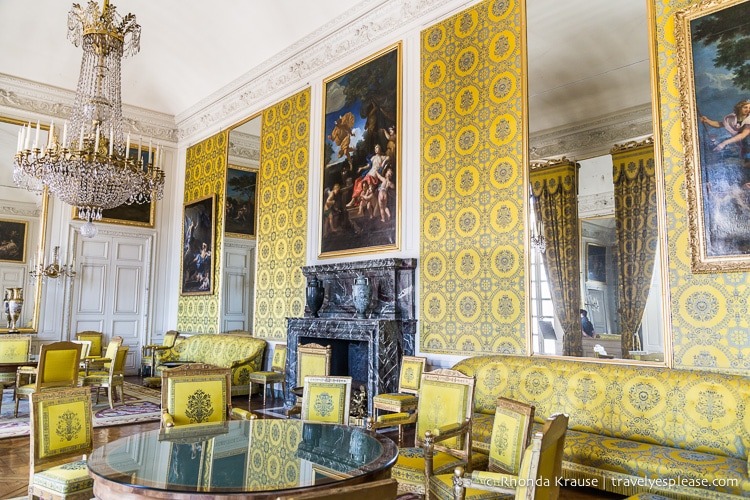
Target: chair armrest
[[390, 420], [167, 419], [240, 414]]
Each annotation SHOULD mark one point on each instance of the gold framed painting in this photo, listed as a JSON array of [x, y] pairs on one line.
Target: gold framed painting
[[361, 168], [198, 225], [13, 235], [715, 112], [240, 197], [596, 263], [135, 214]]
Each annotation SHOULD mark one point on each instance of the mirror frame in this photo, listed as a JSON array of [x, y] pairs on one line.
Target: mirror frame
[[660, 191], [40, 250], [254, 238]]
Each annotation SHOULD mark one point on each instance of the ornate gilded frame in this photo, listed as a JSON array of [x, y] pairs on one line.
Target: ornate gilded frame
[[362, 110], [717, 184], [246, 227], [199, 228]]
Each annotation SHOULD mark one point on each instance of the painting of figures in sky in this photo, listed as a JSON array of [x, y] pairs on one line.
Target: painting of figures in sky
[[715, 73], [361, 162]]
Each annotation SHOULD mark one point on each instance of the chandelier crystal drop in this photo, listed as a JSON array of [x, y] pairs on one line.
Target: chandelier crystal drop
[[90, 167]]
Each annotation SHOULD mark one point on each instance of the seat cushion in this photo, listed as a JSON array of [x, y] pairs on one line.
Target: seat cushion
[[265, 377], [395, 401], [65, 479], [655, 461], [409, 467]]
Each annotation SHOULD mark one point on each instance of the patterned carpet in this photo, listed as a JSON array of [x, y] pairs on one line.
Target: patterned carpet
[[141, 405]]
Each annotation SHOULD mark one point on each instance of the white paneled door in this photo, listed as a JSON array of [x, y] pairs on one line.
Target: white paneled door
[[111, 289], [238, 284]]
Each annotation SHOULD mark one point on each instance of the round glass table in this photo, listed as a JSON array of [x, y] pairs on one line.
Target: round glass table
[[259, 459]]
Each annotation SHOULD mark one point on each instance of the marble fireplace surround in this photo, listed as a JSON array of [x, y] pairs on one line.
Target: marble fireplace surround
[[367, 349]]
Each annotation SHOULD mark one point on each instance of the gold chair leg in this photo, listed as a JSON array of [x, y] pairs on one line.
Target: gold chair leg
[[264, 390]]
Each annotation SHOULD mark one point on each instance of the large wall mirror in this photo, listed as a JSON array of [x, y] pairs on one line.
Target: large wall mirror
[[240, 226], [23, 216], [590, 101]]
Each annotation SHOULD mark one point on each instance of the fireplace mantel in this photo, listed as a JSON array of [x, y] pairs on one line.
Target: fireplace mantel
[[368, 349]]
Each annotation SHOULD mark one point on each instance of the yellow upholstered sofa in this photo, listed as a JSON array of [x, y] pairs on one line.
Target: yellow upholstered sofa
[[243, 354], [632, 429]]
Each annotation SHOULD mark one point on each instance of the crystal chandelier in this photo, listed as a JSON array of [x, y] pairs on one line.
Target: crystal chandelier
[[90, 167]]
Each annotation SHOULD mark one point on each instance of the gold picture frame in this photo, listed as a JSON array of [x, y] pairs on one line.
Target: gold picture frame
[[715, 134], [240, 210], [13, 234], [199, 232], [361, 168]]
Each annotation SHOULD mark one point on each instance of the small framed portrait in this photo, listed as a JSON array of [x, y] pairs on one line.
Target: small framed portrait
[[596, 262], [198, 223], [239, 201], [13, 241]]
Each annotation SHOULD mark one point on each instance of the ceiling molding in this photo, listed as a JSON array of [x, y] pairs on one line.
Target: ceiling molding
[[23, 97], [593, 138], [292, 68]]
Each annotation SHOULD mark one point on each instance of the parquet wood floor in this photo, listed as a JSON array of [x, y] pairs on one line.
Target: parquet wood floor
[[14, 454]]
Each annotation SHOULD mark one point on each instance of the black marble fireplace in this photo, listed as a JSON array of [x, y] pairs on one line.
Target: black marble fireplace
[[368, 349]]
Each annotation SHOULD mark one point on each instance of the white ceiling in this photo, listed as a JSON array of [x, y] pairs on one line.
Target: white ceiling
[[587, 58], [189, 49]]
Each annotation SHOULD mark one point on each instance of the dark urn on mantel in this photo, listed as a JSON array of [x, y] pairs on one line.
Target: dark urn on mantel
[[315, 295], [361, 292]]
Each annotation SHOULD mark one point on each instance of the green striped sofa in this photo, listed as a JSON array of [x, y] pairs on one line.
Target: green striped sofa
[[242, 353], [632, 429]]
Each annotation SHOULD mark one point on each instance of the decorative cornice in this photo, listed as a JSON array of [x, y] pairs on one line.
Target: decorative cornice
[[595, 205], [25, 96], [20, 209], [291, 69], [243, 146], [593, 138]]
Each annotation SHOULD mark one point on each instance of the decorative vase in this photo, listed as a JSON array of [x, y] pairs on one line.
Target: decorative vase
[[7, 307], [15, 303], [361, 291], [315, 295]]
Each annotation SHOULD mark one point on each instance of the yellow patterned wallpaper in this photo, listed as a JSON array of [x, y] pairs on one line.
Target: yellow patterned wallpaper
[[205, 172], [709, 311], [471, 259], [282, 215]]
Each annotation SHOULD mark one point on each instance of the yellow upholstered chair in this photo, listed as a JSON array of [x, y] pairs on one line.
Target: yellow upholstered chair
[[442, 440], [313, 360], [85, 347], [97, 341], [147, 351], [327, 399], [197, 393], [407, 397], [270, 378], [540, 467], [13, 349], [57, 368], [101, 363], [61, 428], [110, 379]]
